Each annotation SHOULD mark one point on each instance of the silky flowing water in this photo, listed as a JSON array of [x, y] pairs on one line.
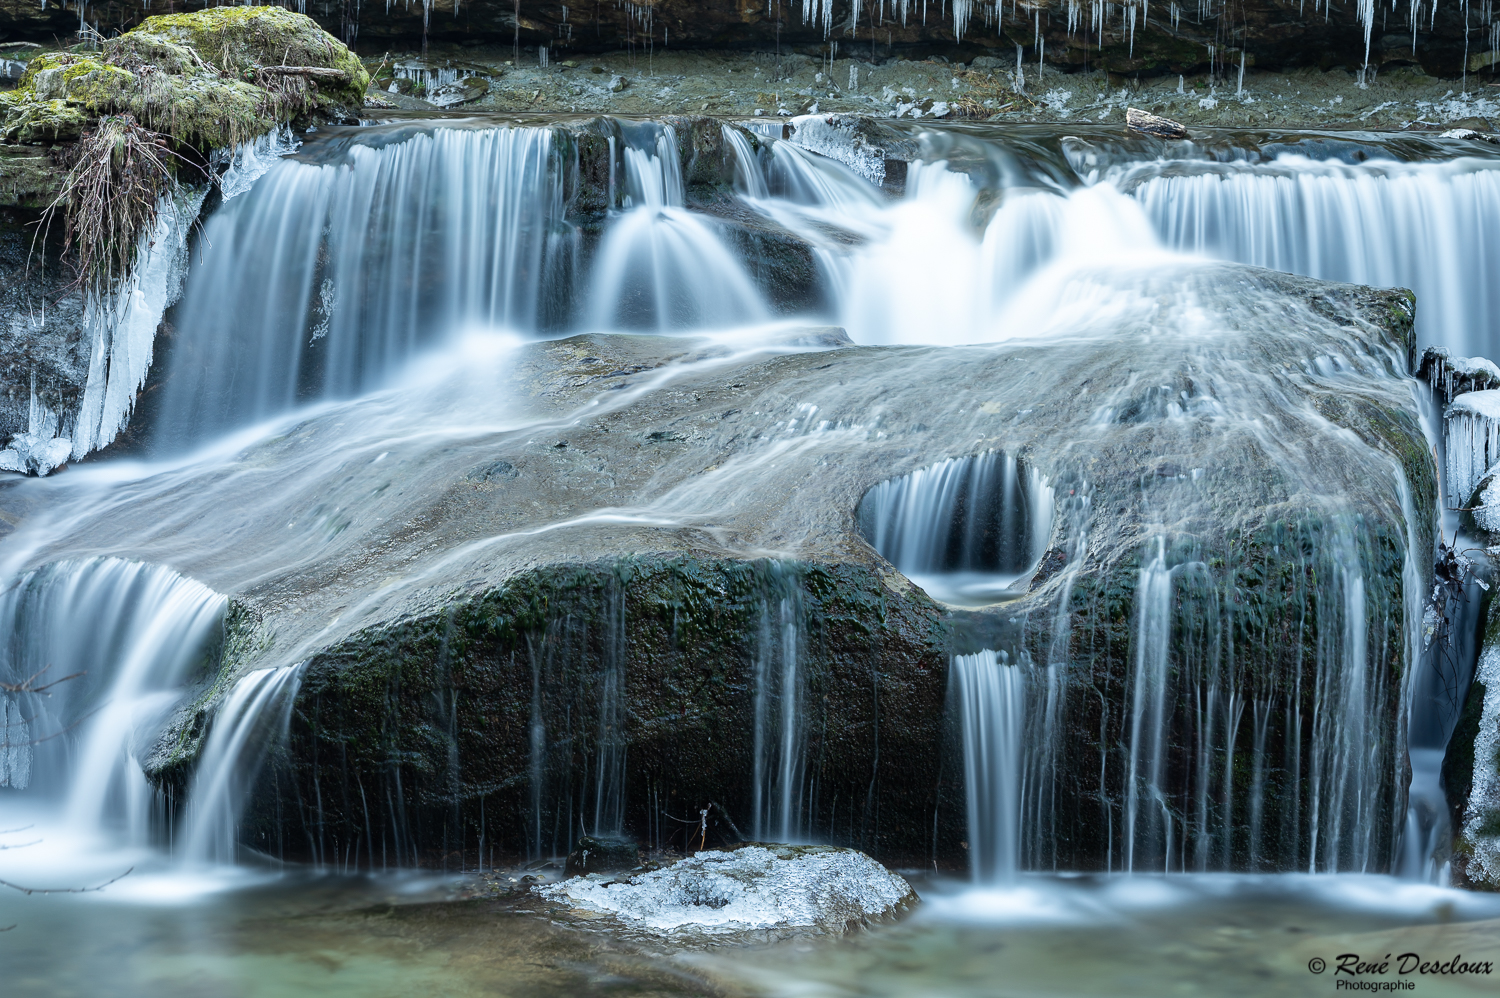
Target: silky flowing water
[[358, 325]]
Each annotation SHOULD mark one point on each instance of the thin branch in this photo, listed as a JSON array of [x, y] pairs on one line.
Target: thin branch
[[25, 686], [12, 831], [21, 845], [64, 890]]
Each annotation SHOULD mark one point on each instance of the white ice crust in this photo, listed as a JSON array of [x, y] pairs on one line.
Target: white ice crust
[[1485, 404], [752, 888], [825, 136]]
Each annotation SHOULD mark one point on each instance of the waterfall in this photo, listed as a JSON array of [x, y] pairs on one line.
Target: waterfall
[[967, 530], [780, 724], [992, 707], [325, 278], [252, 718], [1185, 807], [613, 742], [661, 266], [129, 635], [1429, 227], [1149, 821]]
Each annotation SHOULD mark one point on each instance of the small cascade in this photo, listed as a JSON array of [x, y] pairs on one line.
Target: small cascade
[[1192, 711], [1472, 442], [610, 753], [106, 647], [662, 267], [1429, 227], [992, 708], [1149, 819], [325, 278], [252, 720], [780, 721], [968, 530]]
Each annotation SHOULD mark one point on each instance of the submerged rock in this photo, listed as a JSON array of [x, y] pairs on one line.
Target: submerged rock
[[754, 893]]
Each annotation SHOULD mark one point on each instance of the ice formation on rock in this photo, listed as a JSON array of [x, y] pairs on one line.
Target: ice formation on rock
[[1473, 437], [250, 161], [1451, 376], [123, 323], [773, 889]]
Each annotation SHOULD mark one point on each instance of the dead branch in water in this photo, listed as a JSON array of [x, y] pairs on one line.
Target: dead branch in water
[[64, 890]]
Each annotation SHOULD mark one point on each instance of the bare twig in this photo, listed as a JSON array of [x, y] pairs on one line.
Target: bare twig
[[64, 890], [21, 845], [26, 685]]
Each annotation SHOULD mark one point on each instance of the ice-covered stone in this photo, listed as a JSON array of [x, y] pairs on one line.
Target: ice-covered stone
[[1478, 835], [753, 893], [35, 455], [1451, 376]]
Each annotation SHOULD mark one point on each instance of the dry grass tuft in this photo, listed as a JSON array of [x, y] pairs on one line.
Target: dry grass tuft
[[110, 197]]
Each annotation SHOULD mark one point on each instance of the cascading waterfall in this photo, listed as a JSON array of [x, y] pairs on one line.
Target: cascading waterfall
[[1424, 226], [780, 723], [1182, 812], [613, 743], [367, 258], [992, 708], [967, 530], [130, 635], [253, 716], [661, 266], [1149, 820], [327, 278]]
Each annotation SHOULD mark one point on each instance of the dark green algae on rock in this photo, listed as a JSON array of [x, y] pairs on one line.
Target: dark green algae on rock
[[492, 717]]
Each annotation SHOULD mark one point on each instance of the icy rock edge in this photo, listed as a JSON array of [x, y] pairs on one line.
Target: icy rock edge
[[755, 893]]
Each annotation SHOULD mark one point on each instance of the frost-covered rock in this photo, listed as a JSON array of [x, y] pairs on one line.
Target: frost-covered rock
[[1452, 376], [1484, 502], [751, 894], [1479, 836]]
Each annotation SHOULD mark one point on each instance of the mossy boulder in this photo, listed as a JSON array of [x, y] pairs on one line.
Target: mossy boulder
[[243, 42], [208, 80], [33, 120]]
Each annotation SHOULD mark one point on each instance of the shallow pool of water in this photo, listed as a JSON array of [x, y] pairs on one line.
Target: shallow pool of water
[[302, 934]]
